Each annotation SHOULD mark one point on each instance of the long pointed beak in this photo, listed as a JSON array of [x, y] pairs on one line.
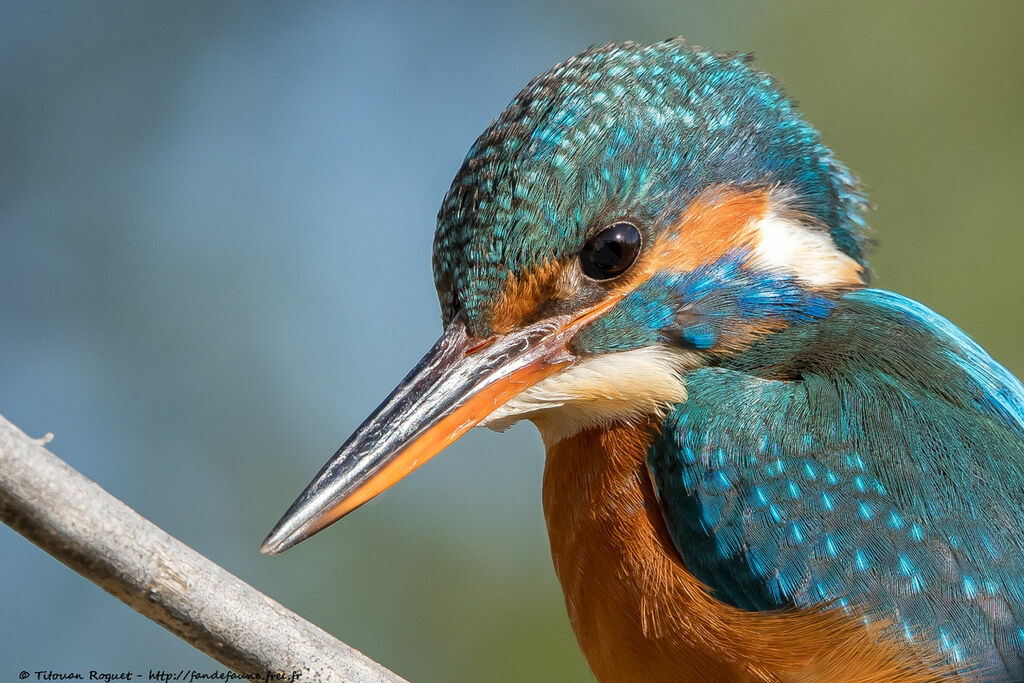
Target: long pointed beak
[[458, 383]]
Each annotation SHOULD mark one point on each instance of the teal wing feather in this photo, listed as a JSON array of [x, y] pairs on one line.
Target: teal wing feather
[[873, 460]]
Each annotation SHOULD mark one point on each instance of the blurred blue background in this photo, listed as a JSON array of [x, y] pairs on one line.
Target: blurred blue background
[[215, 233]]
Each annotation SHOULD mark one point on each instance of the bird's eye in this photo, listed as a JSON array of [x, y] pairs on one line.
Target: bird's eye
[[610, 252]]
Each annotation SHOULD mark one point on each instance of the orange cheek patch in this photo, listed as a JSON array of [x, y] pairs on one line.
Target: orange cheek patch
[[714, 224], [523, 295]]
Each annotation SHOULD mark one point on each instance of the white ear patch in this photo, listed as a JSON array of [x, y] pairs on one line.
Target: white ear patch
[[787, 245], [614, 387]]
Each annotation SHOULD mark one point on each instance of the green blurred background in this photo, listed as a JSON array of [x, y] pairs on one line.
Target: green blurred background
[[215, 231]]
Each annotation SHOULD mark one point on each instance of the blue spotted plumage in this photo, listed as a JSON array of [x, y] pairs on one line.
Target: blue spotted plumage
[[875, 460]]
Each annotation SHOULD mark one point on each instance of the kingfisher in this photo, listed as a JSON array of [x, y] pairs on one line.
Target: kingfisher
[[758, 467]]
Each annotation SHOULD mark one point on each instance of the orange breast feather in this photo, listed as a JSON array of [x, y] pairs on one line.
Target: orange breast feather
[[639, 615]]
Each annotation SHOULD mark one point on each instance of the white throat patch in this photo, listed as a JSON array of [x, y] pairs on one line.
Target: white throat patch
[[626, 386]]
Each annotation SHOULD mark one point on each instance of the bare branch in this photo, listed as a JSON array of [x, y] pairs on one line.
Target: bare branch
[[83, 526]]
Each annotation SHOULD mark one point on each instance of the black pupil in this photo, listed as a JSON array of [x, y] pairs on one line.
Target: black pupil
[[610, 252]]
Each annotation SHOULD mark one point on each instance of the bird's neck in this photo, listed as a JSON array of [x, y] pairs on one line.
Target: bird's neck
[[610, 547], [639, 614]]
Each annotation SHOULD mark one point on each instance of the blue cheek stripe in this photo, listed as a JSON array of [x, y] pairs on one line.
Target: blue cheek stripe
[[698, 308]]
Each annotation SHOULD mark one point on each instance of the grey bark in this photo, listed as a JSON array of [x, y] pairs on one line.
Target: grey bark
[[101, 538]]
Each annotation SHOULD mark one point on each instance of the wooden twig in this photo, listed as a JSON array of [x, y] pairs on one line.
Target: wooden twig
[[101, 538]]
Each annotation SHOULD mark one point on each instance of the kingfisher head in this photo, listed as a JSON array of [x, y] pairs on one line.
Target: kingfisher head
[[635, 213]]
